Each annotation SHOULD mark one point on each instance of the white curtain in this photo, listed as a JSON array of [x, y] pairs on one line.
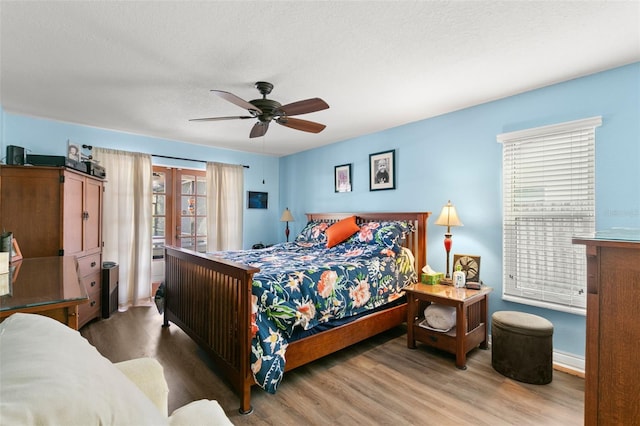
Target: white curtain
[[225, 186], [126, 221]]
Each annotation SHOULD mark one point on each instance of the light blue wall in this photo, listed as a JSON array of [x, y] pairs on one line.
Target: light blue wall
[[47, 137], [456, 156], [453, 156]]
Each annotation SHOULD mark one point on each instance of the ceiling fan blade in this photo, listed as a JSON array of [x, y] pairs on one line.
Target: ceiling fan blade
[[259, 129], [304, 107], [236, 100], [298, 124], [222, 118]]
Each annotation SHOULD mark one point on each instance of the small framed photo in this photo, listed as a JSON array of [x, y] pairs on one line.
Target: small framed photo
[[16, 254], [382, 170], [469, 264], [257, 200], [343, 178], [73, 151]]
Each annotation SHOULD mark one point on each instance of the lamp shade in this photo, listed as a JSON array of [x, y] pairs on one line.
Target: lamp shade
[[448, 216], [286, 216]]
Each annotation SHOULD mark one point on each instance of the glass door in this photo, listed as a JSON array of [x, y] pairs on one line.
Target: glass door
[[161, 210], [191, 211]]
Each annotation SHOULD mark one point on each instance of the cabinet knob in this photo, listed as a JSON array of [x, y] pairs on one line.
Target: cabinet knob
[[93, 303], [93, 264], [93, 283]]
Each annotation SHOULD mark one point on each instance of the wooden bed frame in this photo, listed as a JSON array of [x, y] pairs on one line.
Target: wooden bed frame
[[210, 299]]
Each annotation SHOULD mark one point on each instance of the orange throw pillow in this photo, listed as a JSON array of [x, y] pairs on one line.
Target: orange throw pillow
[[341, 230]]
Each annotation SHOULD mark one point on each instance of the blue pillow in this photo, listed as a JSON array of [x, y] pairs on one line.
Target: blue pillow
[[387, 234], [313, 233]]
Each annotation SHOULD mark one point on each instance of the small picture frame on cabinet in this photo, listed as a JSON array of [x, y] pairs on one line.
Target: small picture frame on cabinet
[[16, 254], [73, 151]]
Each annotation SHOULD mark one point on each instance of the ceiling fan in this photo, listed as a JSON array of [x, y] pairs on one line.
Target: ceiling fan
[[266, 110]]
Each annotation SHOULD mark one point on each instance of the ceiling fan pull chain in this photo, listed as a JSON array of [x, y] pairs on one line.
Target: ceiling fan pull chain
[[263, 139]]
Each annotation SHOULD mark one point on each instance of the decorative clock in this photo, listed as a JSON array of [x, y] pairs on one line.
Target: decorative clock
[[468, 263]]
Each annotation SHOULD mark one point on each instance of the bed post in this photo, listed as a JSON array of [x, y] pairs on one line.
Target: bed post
[[421, 259], [245, 355]]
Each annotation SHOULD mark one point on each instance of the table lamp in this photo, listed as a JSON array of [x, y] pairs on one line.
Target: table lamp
[[286, 217], [448, 217]]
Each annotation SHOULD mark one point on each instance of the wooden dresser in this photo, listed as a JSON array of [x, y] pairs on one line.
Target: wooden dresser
[[612, 376], [56, 211]]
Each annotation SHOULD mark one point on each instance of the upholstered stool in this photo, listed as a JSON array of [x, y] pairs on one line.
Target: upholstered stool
[[522, 346]]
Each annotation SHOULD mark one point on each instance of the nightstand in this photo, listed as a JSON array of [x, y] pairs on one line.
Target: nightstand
[[471, 318]]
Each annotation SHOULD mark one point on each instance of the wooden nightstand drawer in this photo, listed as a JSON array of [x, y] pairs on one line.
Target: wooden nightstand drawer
[[445, 341]]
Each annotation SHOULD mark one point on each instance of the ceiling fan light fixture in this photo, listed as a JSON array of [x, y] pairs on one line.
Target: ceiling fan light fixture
[[259, 129]]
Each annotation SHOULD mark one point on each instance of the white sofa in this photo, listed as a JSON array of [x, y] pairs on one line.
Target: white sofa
[[51, 375]]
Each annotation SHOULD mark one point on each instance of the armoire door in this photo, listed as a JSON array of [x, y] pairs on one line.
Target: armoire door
[[73, 215], [92, 221]]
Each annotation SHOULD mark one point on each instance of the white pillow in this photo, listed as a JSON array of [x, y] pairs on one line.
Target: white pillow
[[440, 317], [51, 375]]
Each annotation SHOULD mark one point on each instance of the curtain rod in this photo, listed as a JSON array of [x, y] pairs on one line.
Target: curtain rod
[[187, 159]]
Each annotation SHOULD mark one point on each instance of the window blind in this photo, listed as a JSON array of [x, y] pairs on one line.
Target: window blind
[[548, 198]]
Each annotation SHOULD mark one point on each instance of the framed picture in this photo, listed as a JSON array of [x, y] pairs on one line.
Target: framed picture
[[16, 254], [257, 200], [469, 264], [382, 170], [343, 178], [73, 151]]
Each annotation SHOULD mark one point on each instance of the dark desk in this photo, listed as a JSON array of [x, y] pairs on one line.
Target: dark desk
[[47, 286]]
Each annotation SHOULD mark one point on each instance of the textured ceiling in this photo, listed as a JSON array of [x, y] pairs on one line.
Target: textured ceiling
[[147, 67]]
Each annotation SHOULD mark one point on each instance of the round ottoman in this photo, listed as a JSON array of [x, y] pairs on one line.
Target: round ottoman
[[522, 346]]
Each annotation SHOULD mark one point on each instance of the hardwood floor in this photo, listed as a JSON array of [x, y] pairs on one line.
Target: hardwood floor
[[379, 381]]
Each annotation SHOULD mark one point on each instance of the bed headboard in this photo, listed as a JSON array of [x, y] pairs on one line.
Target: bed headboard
[[416, 242]]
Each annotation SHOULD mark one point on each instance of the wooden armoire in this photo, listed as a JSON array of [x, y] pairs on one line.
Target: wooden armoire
[[57, 211], [612, 378]]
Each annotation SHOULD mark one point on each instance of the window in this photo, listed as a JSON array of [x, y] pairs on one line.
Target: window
[[548, 198]]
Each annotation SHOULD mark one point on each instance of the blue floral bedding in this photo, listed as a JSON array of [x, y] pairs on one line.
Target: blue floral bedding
[[302, 284]]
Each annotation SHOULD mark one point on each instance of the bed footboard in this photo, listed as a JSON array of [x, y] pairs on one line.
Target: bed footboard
[[210, 300]]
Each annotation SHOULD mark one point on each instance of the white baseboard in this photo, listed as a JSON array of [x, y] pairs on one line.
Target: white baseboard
[[569, 363]]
